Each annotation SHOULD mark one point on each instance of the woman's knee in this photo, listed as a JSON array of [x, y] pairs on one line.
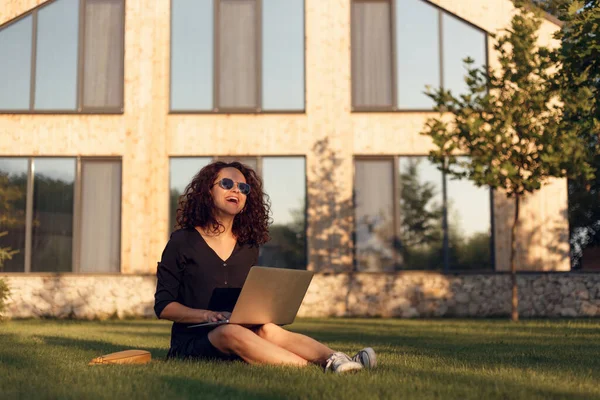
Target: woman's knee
[[269, 331], [229, 336]]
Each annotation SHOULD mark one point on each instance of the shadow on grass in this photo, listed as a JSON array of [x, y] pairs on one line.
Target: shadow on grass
[[99, 346], [469, 382], [190, 388], [479, 349]]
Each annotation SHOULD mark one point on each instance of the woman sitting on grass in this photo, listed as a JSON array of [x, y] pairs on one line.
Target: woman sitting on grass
[[223, 218]]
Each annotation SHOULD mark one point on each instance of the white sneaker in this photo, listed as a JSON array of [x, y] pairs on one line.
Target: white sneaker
[[366, 357], [340, 363]]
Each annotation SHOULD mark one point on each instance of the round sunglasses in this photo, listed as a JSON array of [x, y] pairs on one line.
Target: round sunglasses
[[227, 184]]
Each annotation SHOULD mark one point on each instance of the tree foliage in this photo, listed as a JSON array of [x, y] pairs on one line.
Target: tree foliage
[[578, 82], [507, 122]]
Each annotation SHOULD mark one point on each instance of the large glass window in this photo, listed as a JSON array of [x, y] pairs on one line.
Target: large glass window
[[15, 68], [282, 55], [237, 55], [374, 215], [53, 194], [77, 66], [56, 56], [284, 180], [421, 213], [13, 194], [403, 226], [461, 40], [469, 225], [396, 48], [57, 220], [417, 51], [181, 172], [285, 183], [192, 55]]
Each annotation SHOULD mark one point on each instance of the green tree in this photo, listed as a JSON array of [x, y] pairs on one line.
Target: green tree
[[578, 81], [8, 218], [421, 222], [555, 7], [287, 247], [507, 123]]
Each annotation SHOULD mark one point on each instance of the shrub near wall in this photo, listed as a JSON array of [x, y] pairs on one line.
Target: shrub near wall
[[4, 292]]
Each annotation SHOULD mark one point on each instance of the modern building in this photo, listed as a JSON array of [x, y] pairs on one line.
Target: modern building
[[109, 107]]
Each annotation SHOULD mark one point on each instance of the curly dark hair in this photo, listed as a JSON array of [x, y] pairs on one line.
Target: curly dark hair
[[196, 206]]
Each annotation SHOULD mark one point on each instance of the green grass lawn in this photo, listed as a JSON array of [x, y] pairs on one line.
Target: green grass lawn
[[443, 359]]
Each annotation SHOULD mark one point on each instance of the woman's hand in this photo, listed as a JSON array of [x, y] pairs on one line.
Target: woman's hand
[[215, 316], [177, 312]]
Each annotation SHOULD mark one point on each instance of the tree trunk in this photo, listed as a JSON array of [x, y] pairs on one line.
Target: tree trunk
[[513, 265]]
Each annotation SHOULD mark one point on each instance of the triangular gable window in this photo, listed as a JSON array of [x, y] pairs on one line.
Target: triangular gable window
[[65, 56]]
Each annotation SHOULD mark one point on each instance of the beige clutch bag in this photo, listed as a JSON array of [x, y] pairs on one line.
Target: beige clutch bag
[[124, 357]]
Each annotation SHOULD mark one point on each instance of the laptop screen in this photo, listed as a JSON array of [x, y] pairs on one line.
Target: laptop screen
[[224, 299]]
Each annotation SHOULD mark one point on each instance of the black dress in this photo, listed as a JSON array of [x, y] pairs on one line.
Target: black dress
[[188, 273]]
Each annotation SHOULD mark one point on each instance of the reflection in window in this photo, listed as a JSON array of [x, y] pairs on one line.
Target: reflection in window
[[15, 68], [182, 170], [56, 68], [192, 55], [469, 225], [374, 215], [283, 55], [417, 49], [100, 216], [460, 41], [13, 192], [285, 183], [415, 64], [52, 236], [417, 240], [421, 212], [64, 73]]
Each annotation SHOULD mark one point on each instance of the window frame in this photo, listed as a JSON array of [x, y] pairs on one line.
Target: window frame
[[80, 109], [77, 212], [397, 214], [394, 107], [216, 109]]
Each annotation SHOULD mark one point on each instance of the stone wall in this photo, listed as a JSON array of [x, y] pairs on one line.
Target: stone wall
[[406, 295], [80, 296]]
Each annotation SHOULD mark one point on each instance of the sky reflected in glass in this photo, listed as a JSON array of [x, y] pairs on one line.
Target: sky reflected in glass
[[56, 69], [15, 67], [461, 40], [283, 55], [192, 36], [285, 182], [183, 169], [417, 52]]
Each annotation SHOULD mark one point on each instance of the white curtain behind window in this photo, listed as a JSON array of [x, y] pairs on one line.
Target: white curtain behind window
[[371, 54], [100, 216], [237, 54], [103, 54]]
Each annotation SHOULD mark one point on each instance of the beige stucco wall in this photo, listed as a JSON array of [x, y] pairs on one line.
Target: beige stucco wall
[[146, 135]]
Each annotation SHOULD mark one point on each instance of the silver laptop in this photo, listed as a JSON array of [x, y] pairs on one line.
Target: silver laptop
[[268, 295]]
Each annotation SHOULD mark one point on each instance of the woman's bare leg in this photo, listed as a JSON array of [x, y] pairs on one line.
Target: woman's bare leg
[[301, 345], [251, 347]]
